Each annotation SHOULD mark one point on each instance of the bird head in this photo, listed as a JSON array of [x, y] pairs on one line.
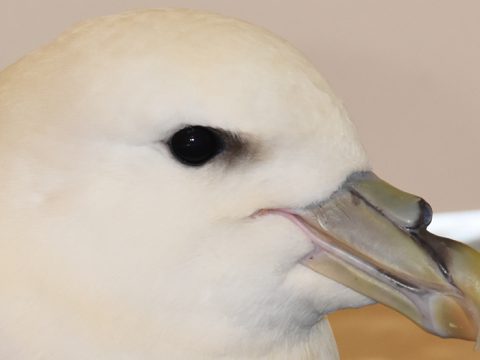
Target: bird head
[[180, 178]]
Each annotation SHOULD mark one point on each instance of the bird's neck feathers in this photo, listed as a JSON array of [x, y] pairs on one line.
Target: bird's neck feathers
[[319, 344], [67, 343]]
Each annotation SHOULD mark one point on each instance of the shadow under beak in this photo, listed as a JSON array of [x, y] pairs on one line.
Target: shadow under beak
[[372, 238]]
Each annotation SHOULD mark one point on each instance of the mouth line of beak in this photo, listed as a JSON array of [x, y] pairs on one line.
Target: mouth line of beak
[[322, 243], [325, 243]]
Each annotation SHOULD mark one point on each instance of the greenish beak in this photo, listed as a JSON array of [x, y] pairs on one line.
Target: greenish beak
[[372, 238]]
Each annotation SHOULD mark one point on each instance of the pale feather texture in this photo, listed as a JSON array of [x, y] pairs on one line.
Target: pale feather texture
[[112, 249]]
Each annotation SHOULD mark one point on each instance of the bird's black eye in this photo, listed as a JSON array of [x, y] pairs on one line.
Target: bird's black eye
[[195, 145]]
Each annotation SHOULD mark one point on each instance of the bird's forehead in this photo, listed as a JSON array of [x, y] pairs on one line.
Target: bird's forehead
[[172, 67]]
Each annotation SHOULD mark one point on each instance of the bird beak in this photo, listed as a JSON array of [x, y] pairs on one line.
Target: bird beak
[[372, 238]]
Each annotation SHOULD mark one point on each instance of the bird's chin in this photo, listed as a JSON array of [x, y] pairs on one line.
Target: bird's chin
[[322, 293]]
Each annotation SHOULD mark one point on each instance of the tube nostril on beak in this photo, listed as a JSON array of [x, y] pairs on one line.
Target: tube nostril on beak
[[426, 212], [405, 210]]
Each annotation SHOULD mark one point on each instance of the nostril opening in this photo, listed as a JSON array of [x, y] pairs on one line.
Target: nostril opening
[[425, 213]]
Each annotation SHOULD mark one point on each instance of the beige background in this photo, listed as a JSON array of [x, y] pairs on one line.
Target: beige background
[[409, 73]]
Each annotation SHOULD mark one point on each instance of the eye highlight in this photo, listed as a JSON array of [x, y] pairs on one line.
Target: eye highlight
[[196, 145]]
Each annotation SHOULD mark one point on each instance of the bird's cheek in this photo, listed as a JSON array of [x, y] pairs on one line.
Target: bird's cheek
[[269, 239]]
